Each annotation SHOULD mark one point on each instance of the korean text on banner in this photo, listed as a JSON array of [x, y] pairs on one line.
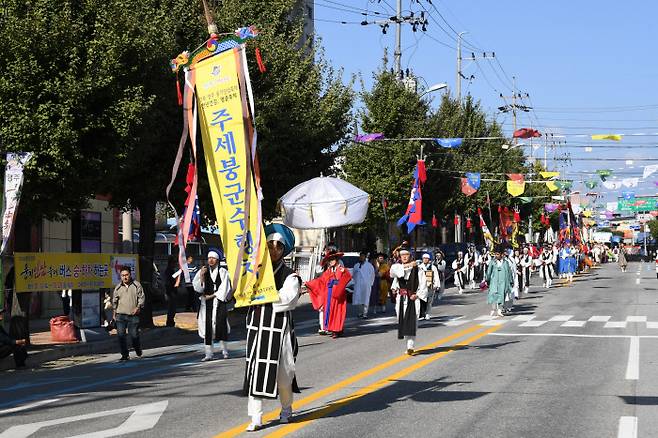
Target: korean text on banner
[[52, 272], [13, 184], [225, 125]]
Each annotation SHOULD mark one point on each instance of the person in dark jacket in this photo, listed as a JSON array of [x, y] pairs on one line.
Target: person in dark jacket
[[9, 345]]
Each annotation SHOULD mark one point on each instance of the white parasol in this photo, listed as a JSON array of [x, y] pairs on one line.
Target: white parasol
[[324, 202]]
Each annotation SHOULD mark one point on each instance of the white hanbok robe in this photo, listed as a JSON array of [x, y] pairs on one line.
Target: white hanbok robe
[[427, 293], [460, 280], [223, 293], [398, 271], [363, 276]]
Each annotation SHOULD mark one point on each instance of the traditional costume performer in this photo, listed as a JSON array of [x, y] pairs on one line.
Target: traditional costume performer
[[546, 267], [271, 342], [526, 266], [566, 262], [459, 268], [408, 282], [214, 286], [514, 292], [472, 264], [328, 294], [621, 259], [384, 281], [363, 275], [426, 295], [500, 279], [440, 263]]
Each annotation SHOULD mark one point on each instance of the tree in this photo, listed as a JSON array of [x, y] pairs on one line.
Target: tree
[[384, 169]]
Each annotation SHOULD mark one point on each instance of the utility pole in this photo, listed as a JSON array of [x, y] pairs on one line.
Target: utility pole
[[419, 22], [459, 66], [397, 54], [514, 107]]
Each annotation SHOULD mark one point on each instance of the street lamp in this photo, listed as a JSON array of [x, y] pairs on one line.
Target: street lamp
[[433, 88]]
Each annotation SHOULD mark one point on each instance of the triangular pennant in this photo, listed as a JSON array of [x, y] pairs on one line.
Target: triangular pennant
[[449, 143], [614, 137], [466, 187], [515, 188], [473, 179]]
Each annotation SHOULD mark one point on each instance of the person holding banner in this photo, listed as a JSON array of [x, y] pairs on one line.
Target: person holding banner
[[328, 294], [271, 365], [214, 286]]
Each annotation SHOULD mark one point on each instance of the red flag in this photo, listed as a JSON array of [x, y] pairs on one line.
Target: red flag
[[517, 177], [421, 172], [466, 187], [468, 223], [435, 221], [456, 220], [384, 203], [526, 133]]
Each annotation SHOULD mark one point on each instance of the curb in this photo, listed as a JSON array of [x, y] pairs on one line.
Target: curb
[[151, 338]]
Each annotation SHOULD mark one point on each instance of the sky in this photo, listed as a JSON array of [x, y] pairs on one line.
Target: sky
[[588, 68]]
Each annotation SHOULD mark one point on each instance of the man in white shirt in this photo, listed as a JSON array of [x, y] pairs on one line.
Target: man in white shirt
[[213, 285], [363, 276], [408, 282]]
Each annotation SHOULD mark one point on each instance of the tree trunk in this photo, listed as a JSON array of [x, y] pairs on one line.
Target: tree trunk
[[146, 250]]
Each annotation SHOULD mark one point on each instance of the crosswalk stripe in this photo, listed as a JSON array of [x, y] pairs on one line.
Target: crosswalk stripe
[[456, 322], [523, 318], [599, 318], [494, 322], [484, 318], [652, 325], [615, 324], [533, 323], [636, 318], [561, 318], [573, 324]]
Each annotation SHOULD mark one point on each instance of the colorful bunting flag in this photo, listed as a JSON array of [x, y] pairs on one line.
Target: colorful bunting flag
[[590, 184], [364, 138], [467, 189], [648, 170], [550, 208], [630, 182], [488, 237], [549, 174], [526, 133], [604, 173], [629, 196], [516, 185], [414, 214], [449, 143], [614, 137], [473, 179], [612, 185]]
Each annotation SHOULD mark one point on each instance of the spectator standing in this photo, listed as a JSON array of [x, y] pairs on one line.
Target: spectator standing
[[128, 301]]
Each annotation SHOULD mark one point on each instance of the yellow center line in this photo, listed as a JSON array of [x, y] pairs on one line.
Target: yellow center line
[[346, 382], [369, 389]]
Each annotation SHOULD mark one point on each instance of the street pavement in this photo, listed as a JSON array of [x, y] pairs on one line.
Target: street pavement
[[577, 360]]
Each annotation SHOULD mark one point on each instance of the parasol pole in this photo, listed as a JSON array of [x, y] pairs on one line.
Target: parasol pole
[[212, 27]]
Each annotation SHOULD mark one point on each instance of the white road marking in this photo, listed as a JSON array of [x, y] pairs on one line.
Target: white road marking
[[574, 324], [627, 427], [637, 281], [523, 318], [29, 406], [533, 323], [484, 318], [652, 325], [600, 318], [573, 335], [636, 318], [143, 417], [561, 318], [456, 322], [633, 366], [493, 322], [615, 324]]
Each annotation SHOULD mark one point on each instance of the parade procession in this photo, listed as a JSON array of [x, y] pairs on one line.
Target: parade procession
[[334, 218]]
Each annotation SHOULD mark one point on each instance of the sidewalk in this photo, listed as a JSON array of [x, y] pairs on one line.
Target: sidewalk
[[98, 341]]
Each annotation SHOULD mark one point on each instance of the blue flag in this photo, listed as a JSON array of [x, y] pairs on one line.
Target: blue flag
[[449, 143], [473, 179]]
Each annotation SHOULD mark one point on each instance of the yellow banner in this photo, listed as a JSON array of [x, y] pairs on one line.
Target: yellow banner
[[225, 129], [549, 174], [551, 186], [52, 272], [515, 188], [613, 137]]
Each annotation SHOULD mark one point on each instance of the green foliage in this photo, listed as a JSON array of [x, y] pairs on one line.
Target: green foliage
[[385, 168], [87, 89]]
